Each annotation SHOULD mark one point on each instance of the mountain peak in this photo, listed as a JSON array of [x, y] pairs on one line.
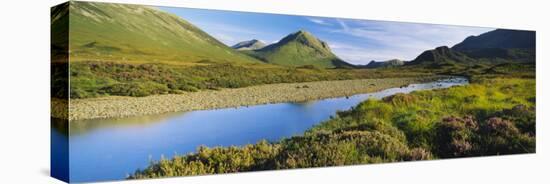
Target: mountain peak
[[249, 45], [307, 39], [302, 32], [301, 48], [384, 64], [442, 50], [442, 54]]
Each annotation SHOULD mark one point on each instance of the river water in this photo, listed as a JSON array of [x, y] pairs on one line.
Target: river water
[[109, 149]]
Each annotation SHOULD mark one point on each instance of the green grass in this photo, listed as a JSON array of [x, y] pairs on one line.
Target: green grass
[[417, 114], [90, 79], [478, 69], [97, 79], [491, 116], [136, 33]]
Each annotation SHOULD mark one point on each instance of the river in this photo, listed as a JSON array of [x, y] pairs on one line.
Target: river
[[109, 149]]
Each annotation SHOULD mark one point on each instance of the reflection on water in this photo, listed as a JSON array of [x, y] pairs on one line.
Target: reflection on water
[[109, 149], [85, 126], [59, 148]]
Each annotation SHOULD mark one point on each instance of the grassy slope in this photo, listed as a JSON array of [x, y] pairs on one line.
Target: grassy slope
[[121, 32], [295, 54], [494, 115]]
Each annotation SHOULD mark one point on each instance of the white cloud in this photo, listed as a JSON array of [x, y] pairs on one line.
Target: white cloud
[[319, 21], [361, 55], [229, 34], [388, 40], [225, 38]]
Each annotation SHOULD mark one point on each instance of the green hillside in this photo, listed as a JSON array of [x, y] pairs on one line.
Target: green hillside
[[299, 49], [499, 38], [122, 32], [441, 56], [494, 47], [500, 45]]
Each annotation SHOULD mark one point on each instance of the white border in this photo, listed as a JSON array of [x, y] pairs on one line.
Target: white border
[[24, 75]]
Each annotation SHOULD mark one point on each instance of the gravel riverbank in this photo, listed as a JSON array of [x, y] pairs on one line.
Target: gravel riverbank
[[115, 107]]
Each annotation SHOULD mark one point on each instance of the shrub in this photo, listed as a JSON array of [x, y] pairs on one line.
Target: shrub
[[419, 154], [523, 116], [345, 148], [459, 137], [501, 136], [379, 126], [455, 136], [400, 99], [79, 93], [135, 89], [213, 160]]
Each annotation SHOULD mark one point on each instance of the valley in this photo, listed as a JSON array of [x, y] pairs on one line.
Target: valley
[[149, 82]]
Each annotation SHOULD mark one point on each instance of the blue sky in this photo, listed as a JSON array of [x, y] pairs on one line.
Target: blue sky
[[355, 41]]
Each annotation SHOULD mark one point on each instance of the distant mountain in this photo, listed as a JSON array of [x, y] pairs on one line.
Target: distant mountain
[[384, 64], [249, 45], [299, 49], [500, 45], [500, 38], [441, 56], [123, 32]]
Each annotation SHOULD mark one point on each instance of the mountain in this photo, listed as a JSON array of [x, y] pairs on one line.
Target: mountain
[[123, 32], [500, 38], [500, 44], [249, 45], [384, 64], [299, 49], [441, 56], [59, 34], [497, 46]]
